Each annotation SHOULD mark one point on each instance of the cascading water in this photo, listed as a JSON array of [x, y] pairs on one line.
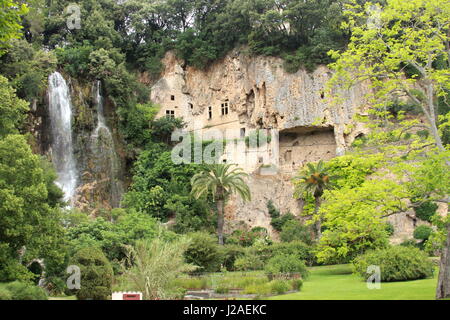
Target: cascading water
[[60, 111], [107, 165]]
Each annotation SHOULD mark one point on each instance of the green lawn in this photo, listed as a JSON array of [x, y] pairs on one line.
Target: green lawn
[[337, 283]]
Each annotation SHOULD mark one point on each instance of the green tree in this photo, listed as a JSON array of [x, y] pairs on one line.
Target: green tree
[[389, 40], [10, 18], [29, 215], [12, 109], [314, 180], [221, 181], [96, 274]]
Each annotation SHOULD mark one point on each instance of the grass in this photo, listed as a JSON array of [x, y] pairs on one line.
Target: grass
[[338, 283]]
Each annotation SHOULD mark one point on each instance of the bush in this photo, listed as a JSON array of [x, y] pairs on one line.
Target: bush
[[409, 243], [297, 248], [259, 289], [25, 291], [230, 253], [297, 284], [96, 274], [293, 230], [390, 228], [279, 286], [273, 211], [278, 223], [285, 265], [249, 262], [397, 263], [422, 232], [222, 290], [246, 238], [5, 294], [204, 252], [426, 211]]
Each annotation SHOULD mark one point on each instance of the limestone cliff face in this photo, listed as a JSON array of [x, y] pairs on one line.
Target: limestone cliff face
[[260, 94], [98, 176]]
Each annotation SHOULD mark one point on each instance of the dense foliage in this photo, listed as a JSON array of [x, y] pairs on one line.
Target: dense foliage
[[203, 252], [396, 264], [154, 266], [96, 274], [29, 215], [22, 291], [287, 265]]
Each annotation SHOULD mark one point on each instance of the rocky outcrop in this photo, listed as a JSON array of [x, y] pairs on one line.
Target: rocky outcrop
[[243, 93], [97, 177]]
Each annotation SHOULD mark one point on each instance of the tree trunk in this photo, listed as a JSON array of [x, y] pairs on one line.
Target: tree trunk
[[220, 220], [319, 220], [443, 286]]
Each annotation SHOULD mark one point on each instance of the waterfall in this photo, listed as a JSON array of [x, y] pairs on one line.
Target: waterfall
[[107, 165], [60, 111]]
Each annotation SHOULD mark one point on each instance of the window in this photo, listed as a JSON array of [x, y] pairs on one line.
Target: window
[[224, 161], [224, 108], [191, 106], [172, 97], [288, 156], [209, 113], [242, 132], [170, 113]]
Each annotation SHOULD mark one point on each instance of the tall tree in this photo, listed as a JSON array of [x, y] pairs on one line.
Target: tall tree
[[29, 216], [12, 109], [10, 16], [221, 181], [314, 180], [404, 51]]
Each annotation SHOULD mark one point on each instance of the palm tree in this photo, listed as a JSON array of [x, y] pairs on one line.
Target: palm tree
[[221, 181], [314, 180]]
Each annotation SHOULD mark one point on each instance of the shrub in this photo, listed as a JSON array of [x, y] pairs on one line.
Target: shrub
[[422, 232], [249, 262], [285, 264], [278, 223], [397, 263], [25, 291], [229, 255], [204, 252], [409, 243], [297, 248], [96, 274], [273, 211], [192, 283], [259, 289], [390, 228], [426, 211], [293, 230], [246, 238], [279, 286], [222, 290], [5, 294], [297, 284]]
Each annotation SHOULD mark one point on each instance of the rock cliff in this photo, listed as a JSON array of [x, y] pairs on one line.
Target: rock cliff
[[261, 94]]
